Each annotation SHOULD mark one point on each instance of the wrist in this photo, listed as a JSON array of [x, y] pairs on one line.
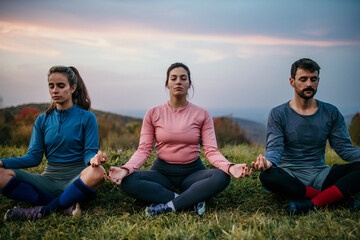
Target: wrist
[[269, 164], [125, 172], [232, 164]]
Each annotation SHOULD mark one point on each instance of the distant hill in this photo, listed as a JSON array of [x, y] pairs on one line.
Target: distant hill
[[254, 131], [348, 119], [42, 107]]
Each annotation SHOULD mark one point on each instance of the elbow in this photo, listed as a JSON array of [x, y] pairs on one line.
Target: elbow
[[36, 157], [38, 160]]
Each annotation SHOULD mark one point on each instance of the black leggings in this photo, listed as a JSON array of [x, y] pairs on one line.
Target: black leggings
[[346, 177], [157, 185]]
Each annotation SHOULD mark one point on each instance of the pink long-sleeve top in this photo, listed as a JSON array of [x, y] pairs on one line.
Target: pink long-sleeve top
[[177, 134]]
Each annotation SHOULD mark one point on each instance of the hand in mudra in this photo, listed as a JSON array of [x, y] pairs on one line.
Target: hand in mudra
[[240, 170]]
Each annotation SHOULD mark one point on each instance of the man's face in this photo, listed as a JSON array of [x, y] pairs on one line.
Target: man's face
[[305, 83]]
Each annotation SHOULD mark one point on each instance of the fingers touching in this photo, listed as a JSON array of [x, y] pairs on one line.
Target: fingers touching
[[261, 163], [98, 159]]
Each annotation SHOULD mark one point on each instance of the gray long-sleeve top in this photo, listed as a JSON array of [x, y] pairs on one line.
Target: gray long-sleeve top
[[300, 140]]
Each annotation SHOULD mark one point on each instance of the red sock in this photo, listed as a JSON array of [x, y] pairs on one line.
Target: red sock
[[311, 192], [330, 195]]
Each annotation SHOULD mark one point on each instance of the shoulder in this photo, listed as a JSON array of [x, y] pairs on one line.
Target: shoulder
[[85, 116], [199, 114], [84, 112], [194, 108], [155, 113], [156, 110], [281, 107], [160, 107], [330, 111], [280, 110], [40, 119], [280, 114], [327, 106]]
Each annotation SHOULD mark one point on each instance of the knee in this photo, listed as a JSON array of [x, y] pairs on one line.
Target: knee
[[98, 173], [266, 176], [221, 178], [127, 184], [356, 166], [93, 175], [5, 176]]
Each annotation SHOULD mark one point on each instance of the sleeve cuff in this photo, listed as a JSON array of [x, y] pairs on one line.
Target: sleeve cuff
[[228, 169], [129, 171]]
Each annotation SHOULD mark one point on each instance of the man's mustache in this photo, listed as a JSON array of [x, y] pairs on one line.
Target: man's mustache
[[309, 89]]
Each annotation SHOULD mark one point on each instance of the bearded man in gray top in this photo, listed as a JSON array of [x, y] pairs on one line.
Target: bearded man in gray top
[[293, 164]]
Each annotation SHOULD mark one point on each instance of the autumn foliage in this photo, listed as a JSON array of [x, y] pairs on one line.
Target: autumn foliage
[[113, 133], [28, 112], [228, 132], [16, 130], [354, 129]]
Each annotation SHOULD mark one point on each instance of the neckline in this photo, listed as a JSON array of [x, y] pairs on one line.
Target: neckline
[[179, 110], [66, 111], [318, 102]]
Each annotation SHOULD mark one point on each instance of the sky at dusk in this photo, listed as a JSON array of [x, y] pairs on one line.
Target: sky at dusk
[[239, 52]]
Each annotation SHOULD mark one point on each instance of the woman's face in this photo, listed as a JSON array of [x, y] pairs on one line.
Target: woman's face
[[60, 90], [178, 82]]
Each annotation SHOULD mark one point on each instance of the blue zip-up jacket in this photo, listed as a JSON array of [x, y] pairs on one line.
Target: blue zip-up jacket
[[63, 135]]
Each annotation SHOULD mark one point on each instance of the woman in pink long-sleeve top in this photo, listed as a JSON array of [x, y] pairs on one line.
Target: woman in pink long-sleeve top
[[178, 127]]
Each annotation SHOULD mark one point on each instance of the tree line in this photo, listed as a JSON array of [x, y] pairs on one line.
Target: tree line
[[16, 130], [114, 133]]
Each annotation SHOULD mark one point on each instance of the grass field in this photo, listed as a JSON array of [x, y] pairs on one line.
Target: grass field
[[242, 211]]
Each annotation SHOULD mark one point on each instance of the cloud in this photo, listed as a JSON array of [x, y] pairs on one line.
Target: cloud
[[121, 41], [318, 32], [237, 50], [206, 55]]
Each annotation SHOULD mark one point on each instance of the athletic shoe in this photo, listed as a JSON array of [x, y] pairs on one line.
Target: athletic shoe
[[158, 209], [73, 210], [296, 207], [356, 204], [200, 208], [350, 203], [19, 213]]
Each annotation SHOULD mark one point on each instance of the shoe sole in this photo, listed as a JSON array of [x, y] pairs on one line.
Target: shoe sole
[[147, 214], [73, 212], [5, 216], [77, 210], [201, 211]]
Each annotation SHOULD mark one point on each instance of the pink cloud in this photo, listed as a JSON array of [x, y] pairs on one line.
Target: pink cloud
[[39, 39]]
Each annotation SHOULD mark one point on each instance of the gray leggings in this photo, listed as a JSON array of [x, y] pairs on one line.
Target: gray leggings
[[55, 178], [158, 185]]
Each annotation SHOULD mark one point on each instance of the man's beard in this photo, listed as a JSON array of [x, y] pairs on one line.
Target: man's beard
[[304, 96]]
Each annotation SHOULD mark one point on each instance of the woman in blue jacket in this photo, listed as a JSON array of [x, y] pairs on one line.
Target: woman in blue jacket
[[68, 136]]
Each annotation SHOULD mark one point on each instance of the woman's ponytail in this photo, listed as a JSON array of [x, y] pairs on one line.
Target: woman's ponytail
[[80, 97]]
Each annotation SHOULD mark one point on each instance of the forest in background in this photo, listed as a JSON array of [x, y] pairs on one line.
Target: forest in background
[[115, 131]]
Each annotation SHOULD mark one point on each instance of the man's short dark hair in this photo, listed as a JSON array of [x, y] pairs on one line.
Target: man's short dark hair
[[304, 63]]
